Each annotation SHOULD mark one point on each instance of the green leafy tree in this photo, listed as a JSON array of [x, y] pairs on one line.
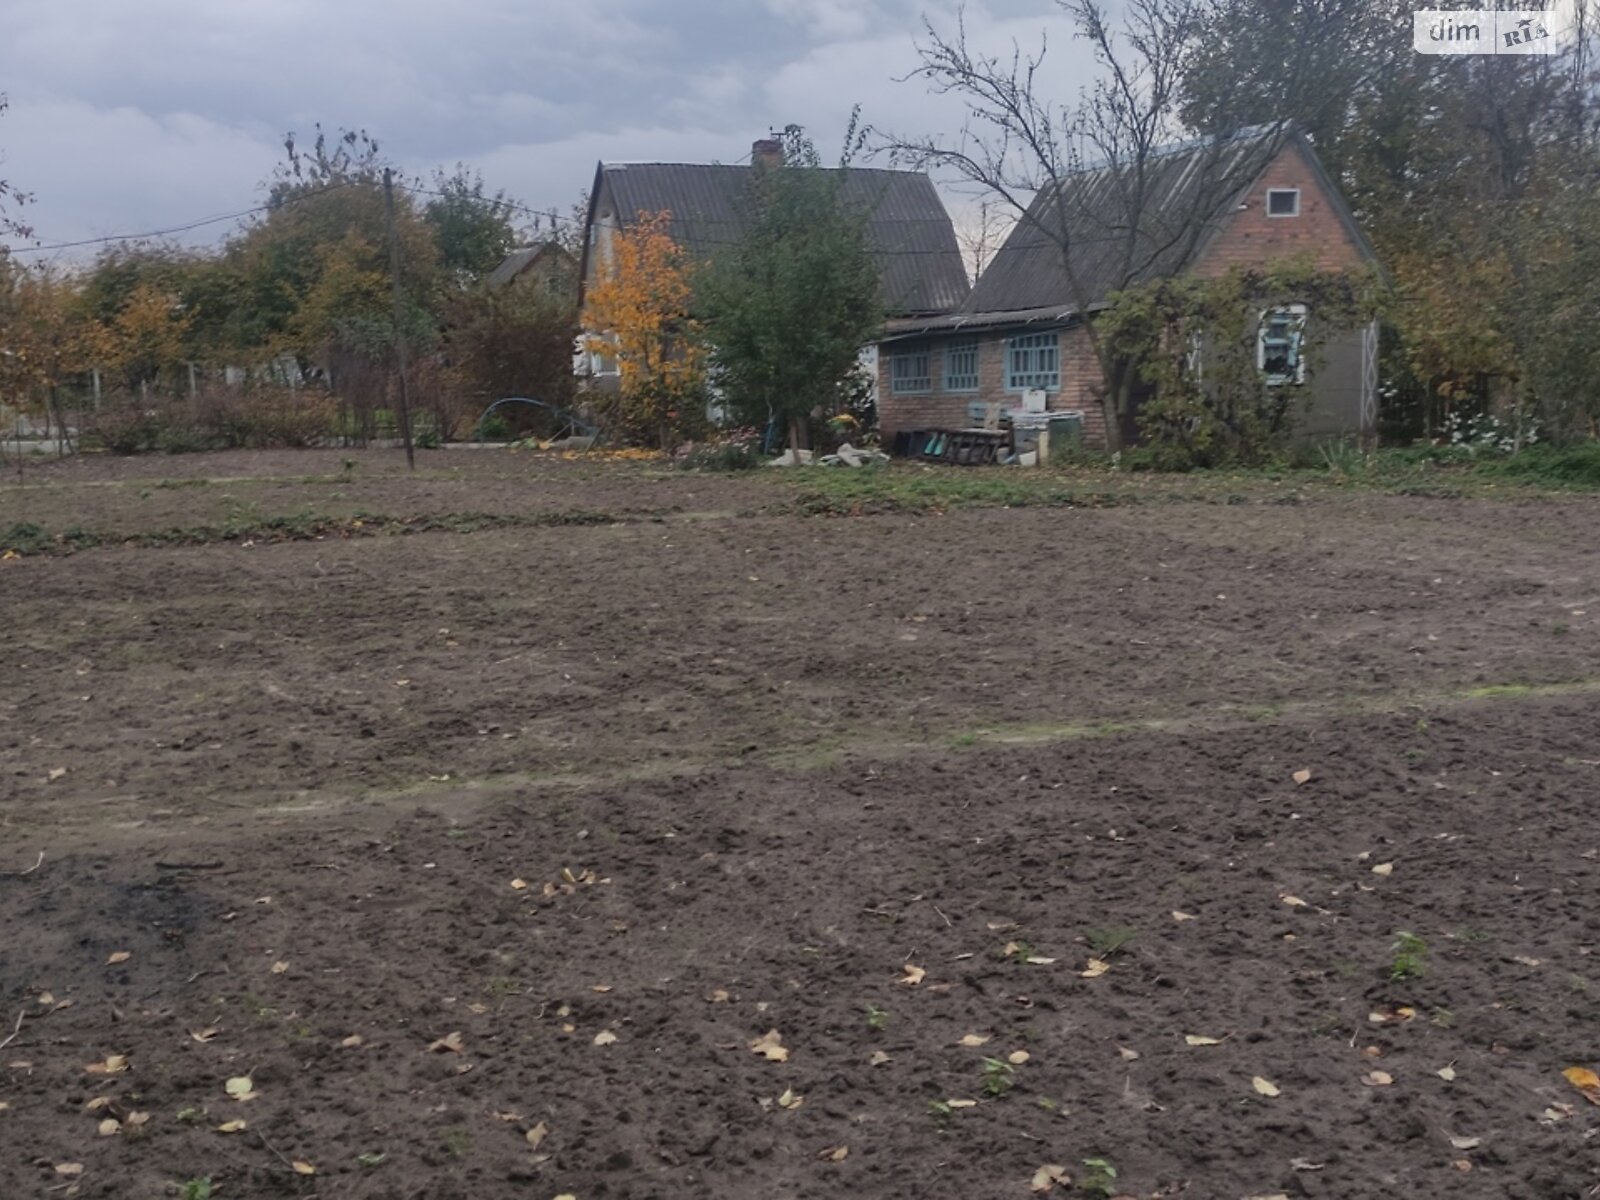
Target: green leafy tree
[[312, 273], [472, 229], [787, 309]]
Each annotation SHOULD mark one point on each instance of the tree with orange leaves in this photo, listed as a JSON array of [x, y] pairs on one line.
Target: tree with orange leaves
[[638, 313]]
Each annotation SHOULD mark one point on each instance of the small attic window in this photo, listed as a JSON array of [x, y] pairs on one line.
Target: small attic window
[[1283, 202]]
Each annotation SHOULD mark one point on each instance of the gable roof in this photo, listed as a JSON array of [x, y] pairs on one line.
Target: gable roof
[[519, 260], [1092, 206], [908, 230]]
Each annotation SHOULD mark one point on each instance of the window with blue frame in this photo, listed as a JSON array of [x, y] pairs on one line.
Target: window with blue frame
[[1278, 345], [910, 370], [1033, 360], [961, 366]]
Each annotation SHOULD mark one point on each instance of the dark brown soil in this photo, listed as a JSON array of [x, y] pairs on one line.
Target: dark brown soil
[[763, 763]]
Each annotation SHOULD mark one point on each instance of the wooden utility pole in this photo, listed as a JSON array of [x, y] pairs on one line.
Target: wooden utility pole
[[399, 335]]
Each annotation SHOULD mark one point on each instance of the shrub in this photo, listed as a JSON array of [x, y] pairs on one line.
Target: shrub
[[735, 450]]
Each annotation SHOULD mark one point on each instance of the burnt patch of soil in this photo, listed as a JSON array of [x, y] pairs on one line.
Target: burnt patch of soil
[[687, 918]]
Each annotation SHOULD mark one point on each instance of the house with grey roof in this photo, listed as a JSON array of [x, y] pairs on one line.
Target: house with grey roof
[[547, 266], [1018, 341], [909, 233]]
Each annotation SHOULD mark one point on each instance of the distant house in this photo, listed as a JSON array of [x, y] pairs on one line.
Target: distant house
[[548, 266], [909, 232], [1020, 332]]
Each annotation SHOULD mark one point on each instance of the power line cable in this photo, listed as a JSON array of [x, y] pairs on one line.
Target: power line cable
[[158, 233]]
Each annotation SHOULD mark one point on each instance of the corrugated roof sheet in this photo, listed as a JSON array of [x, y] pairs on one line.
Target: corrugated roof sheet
[[1095, 209], [909, 230]]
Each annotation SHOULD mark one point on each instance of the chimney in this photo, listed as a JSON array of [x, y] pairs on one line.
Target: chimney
[[766, 152]]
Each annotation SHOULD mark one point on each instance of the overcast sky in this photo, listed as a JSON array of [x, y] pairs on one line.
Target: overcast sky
[[127, 116]]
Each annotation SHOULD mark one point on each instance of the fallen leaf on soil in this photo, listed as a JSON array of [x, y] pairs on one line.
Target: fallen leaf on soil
[[351, 1042], [1586, 1081], [1038, 960], [278, 968], [1447, 1074], [69, 1169], [1180, 917], [203, 1035], [538, 1134], [1526, 961], [230, 1127], [1305, 1164], [790, 1099], [114, 1064], [962, 1103], [1047, 1177], [1002, 926], [4, 1107], [604, 1038], [566, 1196], [240, 1087], [718, 997], [771, 1045], [1293, 901], [1377, 1079], [519, 885], [1127, 1054], [1383, 869], [1303, 775], [600, 988], [121, 956], [110, 1127], [1273, 1196], [878, 1058], [1017, 1057], [913, 975], [975, 1039], [1466, 1143], [301, 1167], [1195, 1039], [97, 1104], [1264, 1086], [1096, 968], [835, 1154], [450, 1041], [1556, 1112], [1462, 1165], [1398, 1016], [56, 773], [136, 1119]]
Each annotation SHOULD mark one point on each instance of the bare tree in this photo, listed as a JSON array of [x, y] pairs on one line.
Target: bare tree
[[1087, 179], [12, 199], [984, 235]]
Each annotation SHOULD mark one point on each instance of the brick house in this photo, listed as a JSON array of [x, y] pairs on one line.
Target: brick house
[[1020, 331]]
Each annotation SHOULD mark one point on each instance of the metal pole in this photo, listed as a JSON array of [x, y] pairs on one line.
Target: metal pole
[[399, 336]]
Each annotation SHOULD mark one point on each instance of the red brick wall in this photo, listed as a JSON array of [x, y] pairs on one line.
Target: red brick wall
[[938, 409], [1251, 238]]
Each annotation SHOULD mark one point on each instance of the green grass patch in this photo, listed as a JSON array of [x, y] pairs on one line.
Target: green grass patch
[[915, 488]]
